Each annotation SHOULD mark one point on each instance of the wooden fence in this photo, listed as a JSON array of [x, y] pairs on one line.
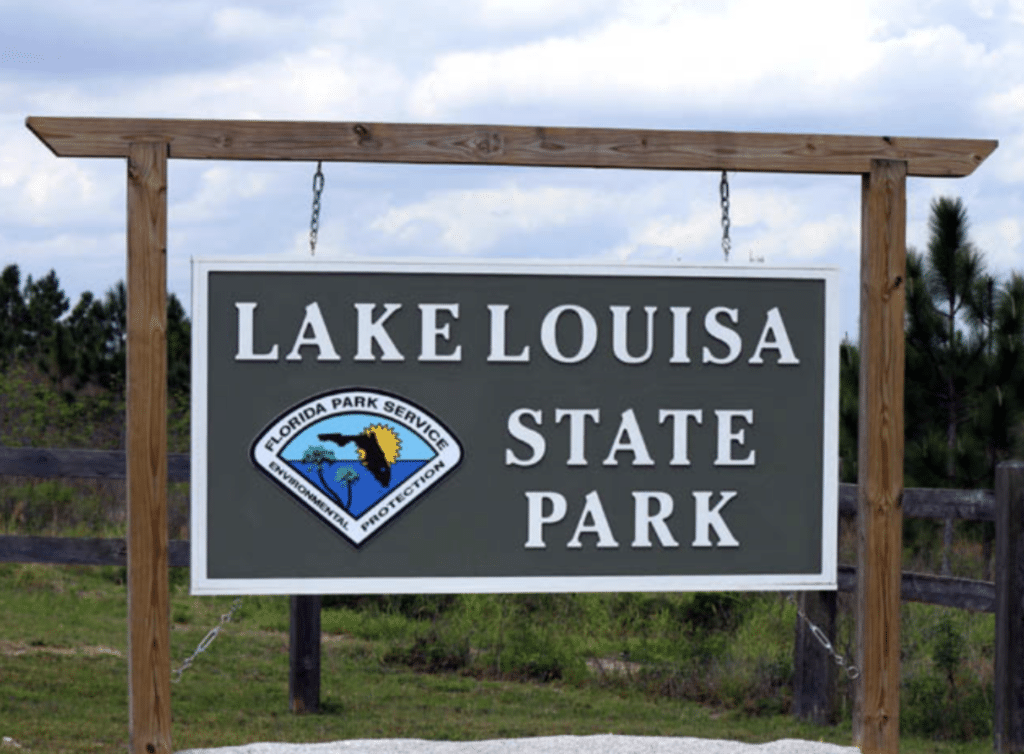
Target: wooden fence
[[814, 668]]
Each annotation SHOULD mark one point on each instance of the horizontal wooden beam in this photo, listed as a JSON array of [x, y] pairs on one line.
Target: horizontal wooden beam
[[46, 463], [965, 594], [509, 145], [79, 551], [925, 502], [967, 505]]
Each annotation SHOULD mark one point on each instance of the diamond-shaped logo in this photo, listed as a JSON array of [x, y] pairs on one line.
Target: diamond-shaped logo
[[356, 457]]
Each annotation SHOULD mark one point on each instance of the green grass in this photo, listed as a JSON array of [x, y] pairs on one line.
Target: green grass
[[63, 671]]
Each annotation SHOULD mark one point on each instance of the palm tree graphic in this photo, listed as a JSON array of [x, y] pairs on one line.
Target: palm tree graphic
[[349, 477], [318, 456]]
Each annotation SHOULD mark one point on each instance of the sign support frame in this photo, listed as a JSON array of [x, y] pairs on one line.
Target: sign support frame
[[883, 162]]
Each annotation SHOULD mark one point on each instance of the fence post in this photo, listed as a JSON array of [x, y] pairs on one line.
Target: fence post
[[814, 671], [304, 654], [1008, 723]]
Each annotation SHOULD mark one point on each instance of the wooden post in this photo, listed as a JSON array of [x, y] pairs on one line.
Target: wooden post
[[1008, 720], [814, 670], [880, 455], [304, 654], [149, 652]]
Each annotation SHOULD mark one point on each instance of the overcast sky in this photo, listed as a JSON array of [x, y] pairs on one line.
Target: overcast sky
[[948, 68]]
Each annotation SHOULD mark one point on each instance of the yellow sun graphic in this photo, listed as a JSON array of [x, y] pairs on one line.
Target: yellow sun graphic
[[388, 440]]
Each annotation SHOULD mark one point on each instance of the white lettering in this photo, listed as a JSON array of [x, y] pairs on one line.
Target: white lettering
[[245, 335], [431, 331], [531, 437], [598, 524], [629, 437], [369, 330], [680, 435], [498, 339], [644, 520], [774, 326], [577, 431], [588, 333], [708, 518], [723, 334], [620, 337], [680, 323], [535, 518], [726, 437], [320, 337]]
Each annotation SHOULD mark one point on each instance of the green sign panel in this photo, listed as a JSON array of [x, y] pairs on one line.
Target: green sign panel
[[365, 427]]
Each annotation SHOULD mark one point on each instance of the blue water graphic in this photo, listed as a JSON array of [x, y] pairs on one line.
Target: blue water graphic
[[366, 490]]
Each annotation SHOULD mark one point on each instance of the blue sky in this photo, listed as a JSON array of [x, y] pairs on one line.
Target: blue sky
[[899, 67]]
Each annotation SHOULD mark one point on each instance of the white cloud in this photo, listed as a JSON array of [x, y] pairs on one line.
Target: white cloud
[[467, 221], [318, 83], [1007, 103], [711, 56], [519, 14], [219, 187], [816, 238], [83, 261], [1000, 241], [1016, 11], [671, 237], [39, 190], [238, 23], [985, 9]]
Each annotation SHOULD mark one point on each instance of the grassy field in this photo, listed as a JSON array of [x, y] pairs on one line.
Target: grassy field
[[63, 672], [457, 668]]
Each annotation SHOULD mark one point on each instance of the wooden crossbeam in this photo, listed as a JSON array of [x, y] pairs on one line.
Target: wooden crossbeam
[[510, 145]]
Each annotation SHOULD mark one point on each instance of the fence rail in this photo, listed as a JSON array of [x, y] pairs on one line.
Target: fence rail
[[971, 505], [46, 463], [966, 594]]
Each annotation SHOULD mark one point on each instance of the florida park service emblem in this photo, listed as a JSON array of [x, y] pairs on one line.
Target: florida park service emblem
[[356, 457]]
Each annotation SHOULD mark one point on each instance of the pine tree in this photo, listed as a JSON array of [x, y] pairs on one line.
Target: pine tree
[[948, 355], [45, 304], [12, 315], [964, 394]]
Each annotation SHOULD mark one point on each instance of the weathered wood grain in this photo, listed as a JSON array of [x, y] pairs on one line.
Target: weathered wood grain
[[965, 594], [80, 551], [46, 463], [880, 455], [509, 145], [925, 502], [1008, 719], [814, 670], [149, 639], [304, 654]]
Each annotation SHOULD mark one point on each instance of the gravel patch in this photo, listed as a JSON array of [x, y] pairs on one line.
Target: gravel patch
[[601, 744]]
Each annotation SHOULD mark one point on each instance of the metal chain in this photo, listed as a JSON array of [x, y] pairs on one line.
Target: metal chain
[[207, 640], [314, 223], [851, 670], [723, 190]]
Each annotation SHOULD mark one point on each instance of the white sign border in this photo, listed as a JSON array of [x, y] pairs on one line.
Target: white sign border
[[203, 584]]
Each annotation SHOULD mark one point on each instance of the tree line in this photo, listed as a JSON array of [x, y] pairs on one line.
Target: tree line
[[964, 399], [964, 394], [83, 347]]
